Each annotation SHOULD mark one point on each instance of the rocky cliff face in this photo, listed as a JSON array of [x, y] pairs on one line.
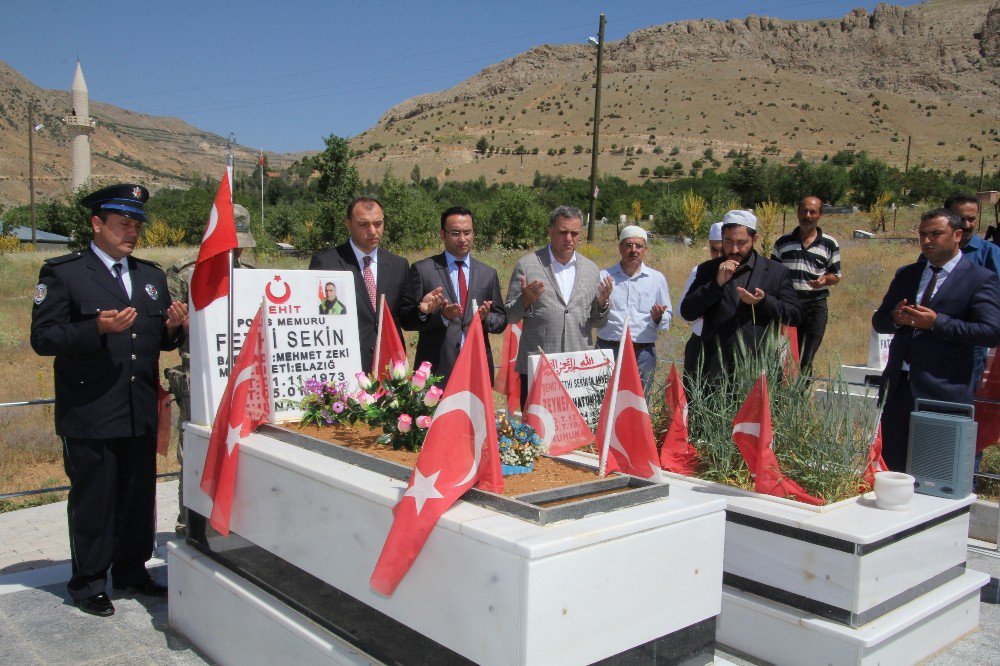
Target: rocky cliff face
[[945, 47]]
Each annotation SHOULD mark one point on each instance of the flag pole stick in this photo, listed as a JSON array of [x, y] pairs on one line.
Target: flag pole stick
[[378, 336], [229, 296], [609, 425]]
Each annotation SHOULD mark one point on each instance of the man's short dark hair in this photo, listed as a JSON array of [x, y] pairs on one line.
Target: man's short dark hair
[[456, 210], [954, 221], [565, 212], [330, 284], [732, 225], [364, 199], [959, 199]]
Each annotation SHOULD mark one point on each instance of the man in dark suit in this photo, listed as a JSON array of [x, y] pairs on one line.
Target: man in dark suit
[[440, 293], [938, 311], [741, 295], [377, 272], [105, 315]]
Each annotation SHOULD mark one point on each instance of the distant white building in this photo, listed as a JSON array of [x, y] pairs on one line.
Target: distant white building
[[81, 126]]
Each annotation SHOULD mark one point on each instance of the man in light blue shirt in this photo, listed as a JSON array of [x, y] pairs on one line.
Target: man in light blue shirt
[[640, 296], [980, 252]]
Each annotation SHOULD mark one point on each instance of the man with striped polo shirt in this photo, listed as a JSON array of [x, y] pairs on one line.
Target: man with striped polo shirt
[[813, 259]]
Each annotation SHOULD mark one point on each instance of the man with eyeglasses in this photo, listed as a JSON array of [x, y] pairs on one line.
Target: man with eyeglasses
[[105, 316], [641, 298], [440, 293]]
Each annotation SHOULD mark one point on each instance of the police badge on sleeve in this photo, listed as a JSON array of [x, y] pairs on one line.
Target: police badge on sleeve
[[41, 291]]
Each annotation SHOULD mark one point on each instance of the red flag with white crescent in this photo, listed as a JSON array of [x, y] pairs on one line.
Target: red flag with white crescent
[[676, 453], [754, 437], [508, 381], [626, 436], [210, 279], [553, 415], [874, 462], [244, 406], [389, 346], [987, 403], [459, 451]]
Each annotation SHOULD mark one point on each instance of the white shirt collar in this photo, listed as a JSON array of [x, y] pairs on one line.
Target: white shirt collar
[[949, 266], [108, 260], [450, 259], [552, 257], [359, 255]]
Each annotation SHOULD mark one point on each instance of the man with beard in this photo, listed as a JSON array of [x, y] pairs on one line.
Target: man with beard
[[740, 295]]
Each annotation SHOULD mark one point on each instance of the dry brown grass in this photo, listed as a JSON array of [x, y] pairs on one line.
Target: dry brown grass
[[30, 455]]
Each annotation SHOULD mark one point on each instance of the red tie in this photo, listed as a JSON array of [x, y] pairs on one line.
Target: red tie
[[463, 289], [369, 280]]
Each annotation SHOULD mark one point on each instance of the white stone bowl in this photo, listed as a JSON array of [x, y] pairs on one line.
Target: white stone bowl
[[893, 490]]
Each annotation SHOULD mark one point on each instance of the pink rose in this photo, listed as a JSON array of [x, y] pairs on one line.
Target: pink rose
[[365, 398], [419, 378], [404, 422], [364, 382], [424, 422], [432, 396], [399, 369]]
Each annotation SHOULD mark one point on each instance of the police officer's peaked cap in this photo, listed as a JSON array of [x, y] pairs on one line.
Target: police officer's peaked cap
[[127, 200]]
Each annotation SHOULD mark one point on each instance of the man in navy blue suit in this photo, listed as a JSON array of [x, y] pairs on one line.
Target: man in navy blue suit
[[939, 310]]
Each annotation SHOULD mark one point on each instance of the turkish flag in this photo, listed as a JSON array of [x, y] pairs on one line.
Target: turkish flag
[[988, 413], [874, 462], [625, 434], [508, 379], [210, 279], [389, 346], [244, 406], [459, 451], [754, 437], [551, 412], [790, 350], [676, 453]]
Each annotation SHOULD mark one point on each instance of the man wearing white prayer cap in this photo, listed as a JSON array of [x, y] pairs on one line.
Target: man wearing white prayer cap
[[693, 345], [741, 293], [641, 297]]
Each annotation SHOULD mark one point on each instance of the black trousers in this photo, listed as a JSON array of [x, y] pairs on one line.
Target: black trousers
[[896, 424], [111, 510], [811, 330]]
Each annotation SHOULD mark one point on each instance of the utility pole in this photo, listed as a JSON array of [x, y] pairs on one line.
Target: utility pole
[[982, 167], [909, 139], [261, 188], [31, 168], [597, 131]]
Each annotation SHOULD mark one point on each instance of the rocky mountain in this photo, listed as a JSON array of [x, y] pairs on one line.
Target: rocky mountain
[[157, 151], [928, 72]]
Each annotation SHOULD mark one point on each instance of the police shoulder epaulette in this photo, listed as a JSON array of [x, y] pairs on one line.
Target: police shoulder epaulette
[[150, 262], [55, 261]]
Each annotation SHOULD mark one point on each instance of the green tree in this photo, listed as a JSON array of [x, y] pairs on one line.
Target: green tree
[[415, 174], [870, 178], [513, 217], [482, 145], [338, 182], [411, 220]]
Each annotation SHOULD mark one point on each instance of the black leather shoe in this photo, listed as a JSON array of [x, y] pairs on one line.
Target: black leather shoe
[[148, 587], [97, 604]]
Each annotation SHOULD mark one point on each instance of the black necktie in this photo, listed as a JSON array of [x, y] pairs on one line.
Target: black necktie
[[929, 291], [117, 268]]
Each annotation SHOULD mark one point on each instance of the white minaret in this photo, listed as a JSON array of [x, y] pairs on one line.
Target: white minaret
[[81, 126]]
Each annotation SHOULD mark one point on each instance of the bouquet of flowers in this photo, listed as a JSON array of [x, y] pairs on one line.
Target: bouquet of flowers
[[325, 403], [520, 445], [402, 405]]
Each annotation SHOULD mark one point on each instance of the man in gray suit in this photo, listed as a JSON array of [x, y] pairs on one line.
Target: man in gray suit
[[440, 292], [558, 294]]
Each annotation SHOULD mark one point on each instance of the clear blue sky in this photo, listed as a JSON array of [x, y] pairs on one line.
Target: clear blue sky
[[282, 75]]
